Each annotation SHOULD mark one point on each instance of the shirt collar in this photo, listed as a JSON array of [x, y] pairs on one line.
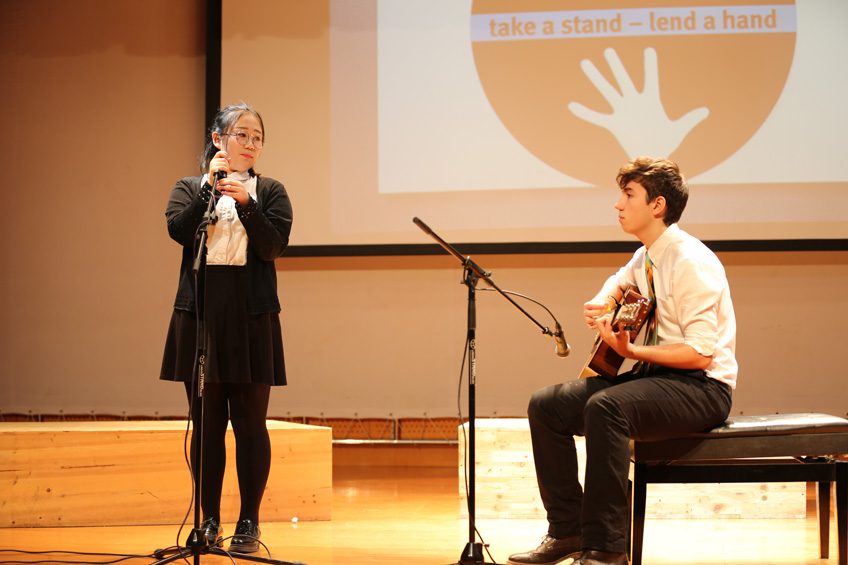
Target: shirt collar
[[661, 244]]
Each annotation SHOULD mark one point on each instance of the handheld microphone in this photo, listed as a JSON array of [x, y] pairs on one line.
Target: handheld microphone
[[562, 349], [220, 174]]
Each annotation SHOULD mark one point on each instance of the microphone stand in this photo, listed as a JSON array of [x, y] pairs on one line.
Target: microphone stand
[[196, 544], [472, 554]]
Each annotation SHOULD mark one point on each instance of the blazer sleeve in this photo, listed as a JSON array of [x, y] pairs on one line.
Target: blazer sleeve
[[268, 223], [185, 210]]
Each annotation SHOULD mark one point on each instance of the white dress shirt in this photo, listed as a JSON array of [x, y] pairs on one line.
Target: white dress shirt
[[693, 298]]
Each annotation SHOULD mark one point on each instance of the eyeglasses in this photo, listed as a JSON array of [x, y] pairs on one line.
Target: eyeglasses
[[241, 138]]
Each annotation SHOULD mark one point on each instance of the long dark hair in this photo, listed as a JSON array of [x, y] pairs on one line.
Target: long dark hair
[[224, 120]]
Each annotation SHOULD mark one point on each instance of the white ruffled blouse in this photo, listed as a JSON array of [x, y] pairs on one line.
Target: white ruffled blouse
[[227, 237]]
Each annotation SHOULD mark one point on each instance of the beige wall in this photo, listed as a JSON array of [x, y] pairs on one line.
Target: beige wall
[[103, 110]]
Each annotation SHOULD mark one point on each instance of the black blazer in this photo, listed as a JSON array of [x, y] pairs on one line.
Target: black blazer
[[268, 225]]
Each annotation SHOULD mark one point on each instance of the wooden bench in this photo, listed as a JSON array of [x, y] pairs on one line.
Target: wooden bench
[[134, 473], [744, 449]]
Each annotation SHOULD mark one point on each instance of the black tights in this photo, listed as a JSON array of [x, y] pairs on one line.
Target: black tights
[[246, 405]]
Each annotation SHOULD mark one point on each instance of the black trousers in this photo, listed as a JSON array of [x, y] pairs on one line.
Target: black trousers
[[609, 413]]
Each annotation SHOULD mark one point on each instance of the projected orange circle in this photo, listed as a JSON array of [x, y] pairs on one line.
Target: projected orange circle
[[669, 79]]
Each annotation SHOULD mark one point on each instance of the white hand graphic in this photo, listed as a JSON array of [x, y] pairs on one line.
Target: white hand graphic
[[638, 120]]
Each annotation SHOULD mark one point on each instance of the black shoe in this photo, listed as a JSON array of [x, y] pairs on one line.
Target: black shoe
[[549, 552], [246, 537], [213, 531], [592, 557]]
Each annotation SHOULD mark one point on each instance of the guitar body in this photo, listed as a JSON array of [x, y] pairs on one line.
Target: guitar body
[[630, 314]]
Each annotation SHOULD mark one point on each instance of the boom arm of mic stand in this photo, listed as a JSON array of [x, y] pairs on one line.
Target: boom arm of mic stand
[[477, 270]]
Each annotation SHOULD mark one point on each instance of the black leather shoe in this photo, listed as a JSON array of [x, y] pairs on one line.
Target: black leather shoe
[[593, 557], [246, 537], [213, 531], [549, 552]]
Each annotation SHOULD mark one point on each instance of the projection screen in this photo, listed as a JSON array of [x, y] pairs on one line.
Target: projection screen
[[505, 121]]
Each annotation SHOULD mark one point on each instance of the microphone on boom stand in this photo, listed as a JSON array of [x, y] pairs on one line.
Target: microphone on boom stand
[[562, 349]]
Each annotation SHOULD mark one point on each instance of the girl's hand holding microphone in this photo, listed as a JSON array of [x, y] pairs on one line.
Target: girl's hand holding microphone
[[219, 168]]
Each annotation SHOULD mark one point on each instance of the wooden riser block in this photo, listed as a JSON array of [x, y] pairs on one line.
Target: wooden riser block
[[506, 484], [135, 473]]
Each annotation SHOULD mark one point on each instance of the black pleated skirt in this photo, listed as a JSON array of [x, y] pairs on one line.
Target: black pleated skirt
[[241, 347]]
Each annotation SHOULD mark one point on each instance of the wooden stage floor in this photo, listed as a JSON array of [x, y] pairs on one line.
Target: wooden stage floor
[[409, 515]]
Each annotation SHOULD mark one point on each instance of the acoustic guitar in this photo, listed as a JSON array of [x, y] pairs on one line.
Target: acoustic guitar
[[630, 315]]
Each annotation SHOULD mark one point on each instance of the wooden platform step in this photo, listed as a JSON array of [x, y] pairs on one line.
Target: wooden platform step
[[506, 484], [135, 473]]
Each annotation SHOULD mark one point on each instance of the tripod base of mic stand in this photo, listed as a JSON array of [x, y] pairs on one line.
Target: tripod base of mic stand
[[472, 555], [196, 545]]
